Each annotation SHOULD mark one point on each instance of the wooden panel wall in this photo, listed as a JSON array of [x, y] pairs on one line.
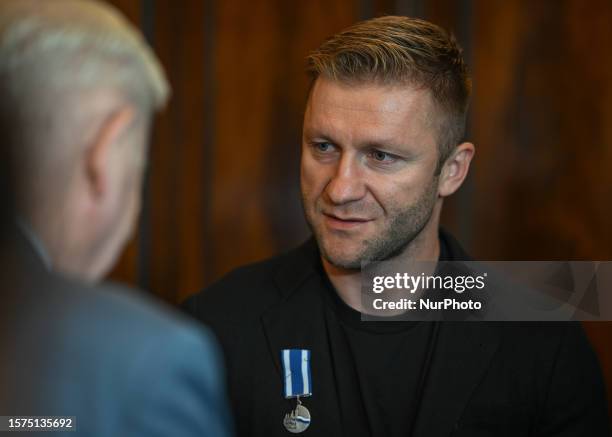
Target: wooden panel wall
[[541, 115], [254, 202], [223, 181], [541, 119]]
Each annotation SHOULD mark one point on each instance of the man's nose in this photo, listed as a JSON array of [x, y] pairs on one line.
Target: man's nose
[[347, 184]]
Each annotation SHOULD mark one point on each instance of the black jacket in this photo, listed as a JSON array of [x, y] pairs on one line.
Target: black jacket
[[485, 379]]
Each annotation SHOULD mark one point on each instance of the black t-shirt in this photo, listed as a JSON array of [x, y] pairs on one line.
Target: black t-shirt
[[379, 367]]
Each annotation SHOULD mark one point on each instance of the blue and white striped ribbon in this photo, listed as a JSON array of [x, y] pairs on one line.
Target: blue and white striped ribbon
[[296, 371]]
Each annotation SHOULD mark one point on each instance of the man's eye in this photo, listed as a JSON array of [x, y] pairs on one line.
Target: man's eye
[[380, 156], [324, 147]]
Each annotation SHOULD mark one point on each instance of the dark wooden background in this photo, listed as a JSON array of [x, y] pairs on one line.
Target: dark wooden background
[[223, 181]]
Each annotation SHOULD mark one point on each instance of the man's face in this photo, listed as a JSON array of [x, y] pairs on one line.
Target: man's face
[[369, 157]]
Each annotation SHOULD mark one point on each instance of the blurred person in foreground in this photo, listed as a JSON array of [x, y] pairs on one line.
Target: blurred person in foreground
[[382, 148], [78, 91]]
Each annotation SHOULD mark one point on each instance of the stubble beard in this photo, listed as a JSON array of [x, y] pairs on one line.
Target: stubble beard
[[405, 226]]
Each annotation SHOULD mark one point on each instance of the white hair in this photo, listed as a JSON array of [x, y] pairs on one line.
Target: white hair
[[72, 44], [64, 64]]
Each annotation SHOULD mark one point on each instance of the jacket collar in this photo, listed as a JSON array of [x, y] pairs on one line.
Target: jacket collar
[[24, 250], [35, 244], [297, 267], [304, 261], [455, 251]]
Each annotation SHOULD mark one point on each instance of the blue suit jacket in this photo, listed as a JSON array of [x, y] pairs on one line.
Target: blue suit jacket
[[122, 364]]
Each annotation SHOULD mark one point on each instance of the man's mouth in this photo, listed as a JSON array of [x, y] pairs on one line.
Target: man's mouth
[[340, 222]]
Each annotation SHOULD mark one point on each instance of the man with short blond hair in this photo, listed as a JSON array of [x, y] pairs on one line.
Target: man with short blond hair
[[78, 91], [382, 147]]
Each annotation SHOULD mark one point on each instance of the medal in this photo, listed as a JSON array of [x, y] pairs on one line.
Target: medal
[[298, 420], [297, 382]]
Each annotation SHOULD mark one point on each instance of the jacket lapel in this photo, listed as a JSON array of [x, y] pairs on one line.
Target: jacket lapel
[[298, 321], [468, 346]]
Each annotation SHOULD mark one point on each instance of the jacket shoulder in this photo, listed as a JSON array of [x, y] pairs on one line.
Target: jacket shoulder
[[247, 291]]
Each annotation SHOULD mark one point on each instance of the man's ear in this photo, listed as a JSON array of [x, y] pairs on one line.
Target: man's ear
[[97, 155], [455, 169]]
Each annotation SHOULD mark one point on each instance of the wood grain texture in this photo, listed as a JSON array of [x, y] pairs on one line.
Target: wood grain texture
[[178, 152], [540, 112], [126, 268], [259, 102]]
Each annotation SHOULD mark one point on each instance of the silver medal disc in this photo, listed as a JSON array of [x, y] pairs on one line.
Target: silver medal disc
[[298, 420]]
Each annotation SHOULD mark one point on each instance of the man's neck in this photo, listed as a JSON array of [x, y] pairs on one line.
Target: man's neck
[[347, 282]]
